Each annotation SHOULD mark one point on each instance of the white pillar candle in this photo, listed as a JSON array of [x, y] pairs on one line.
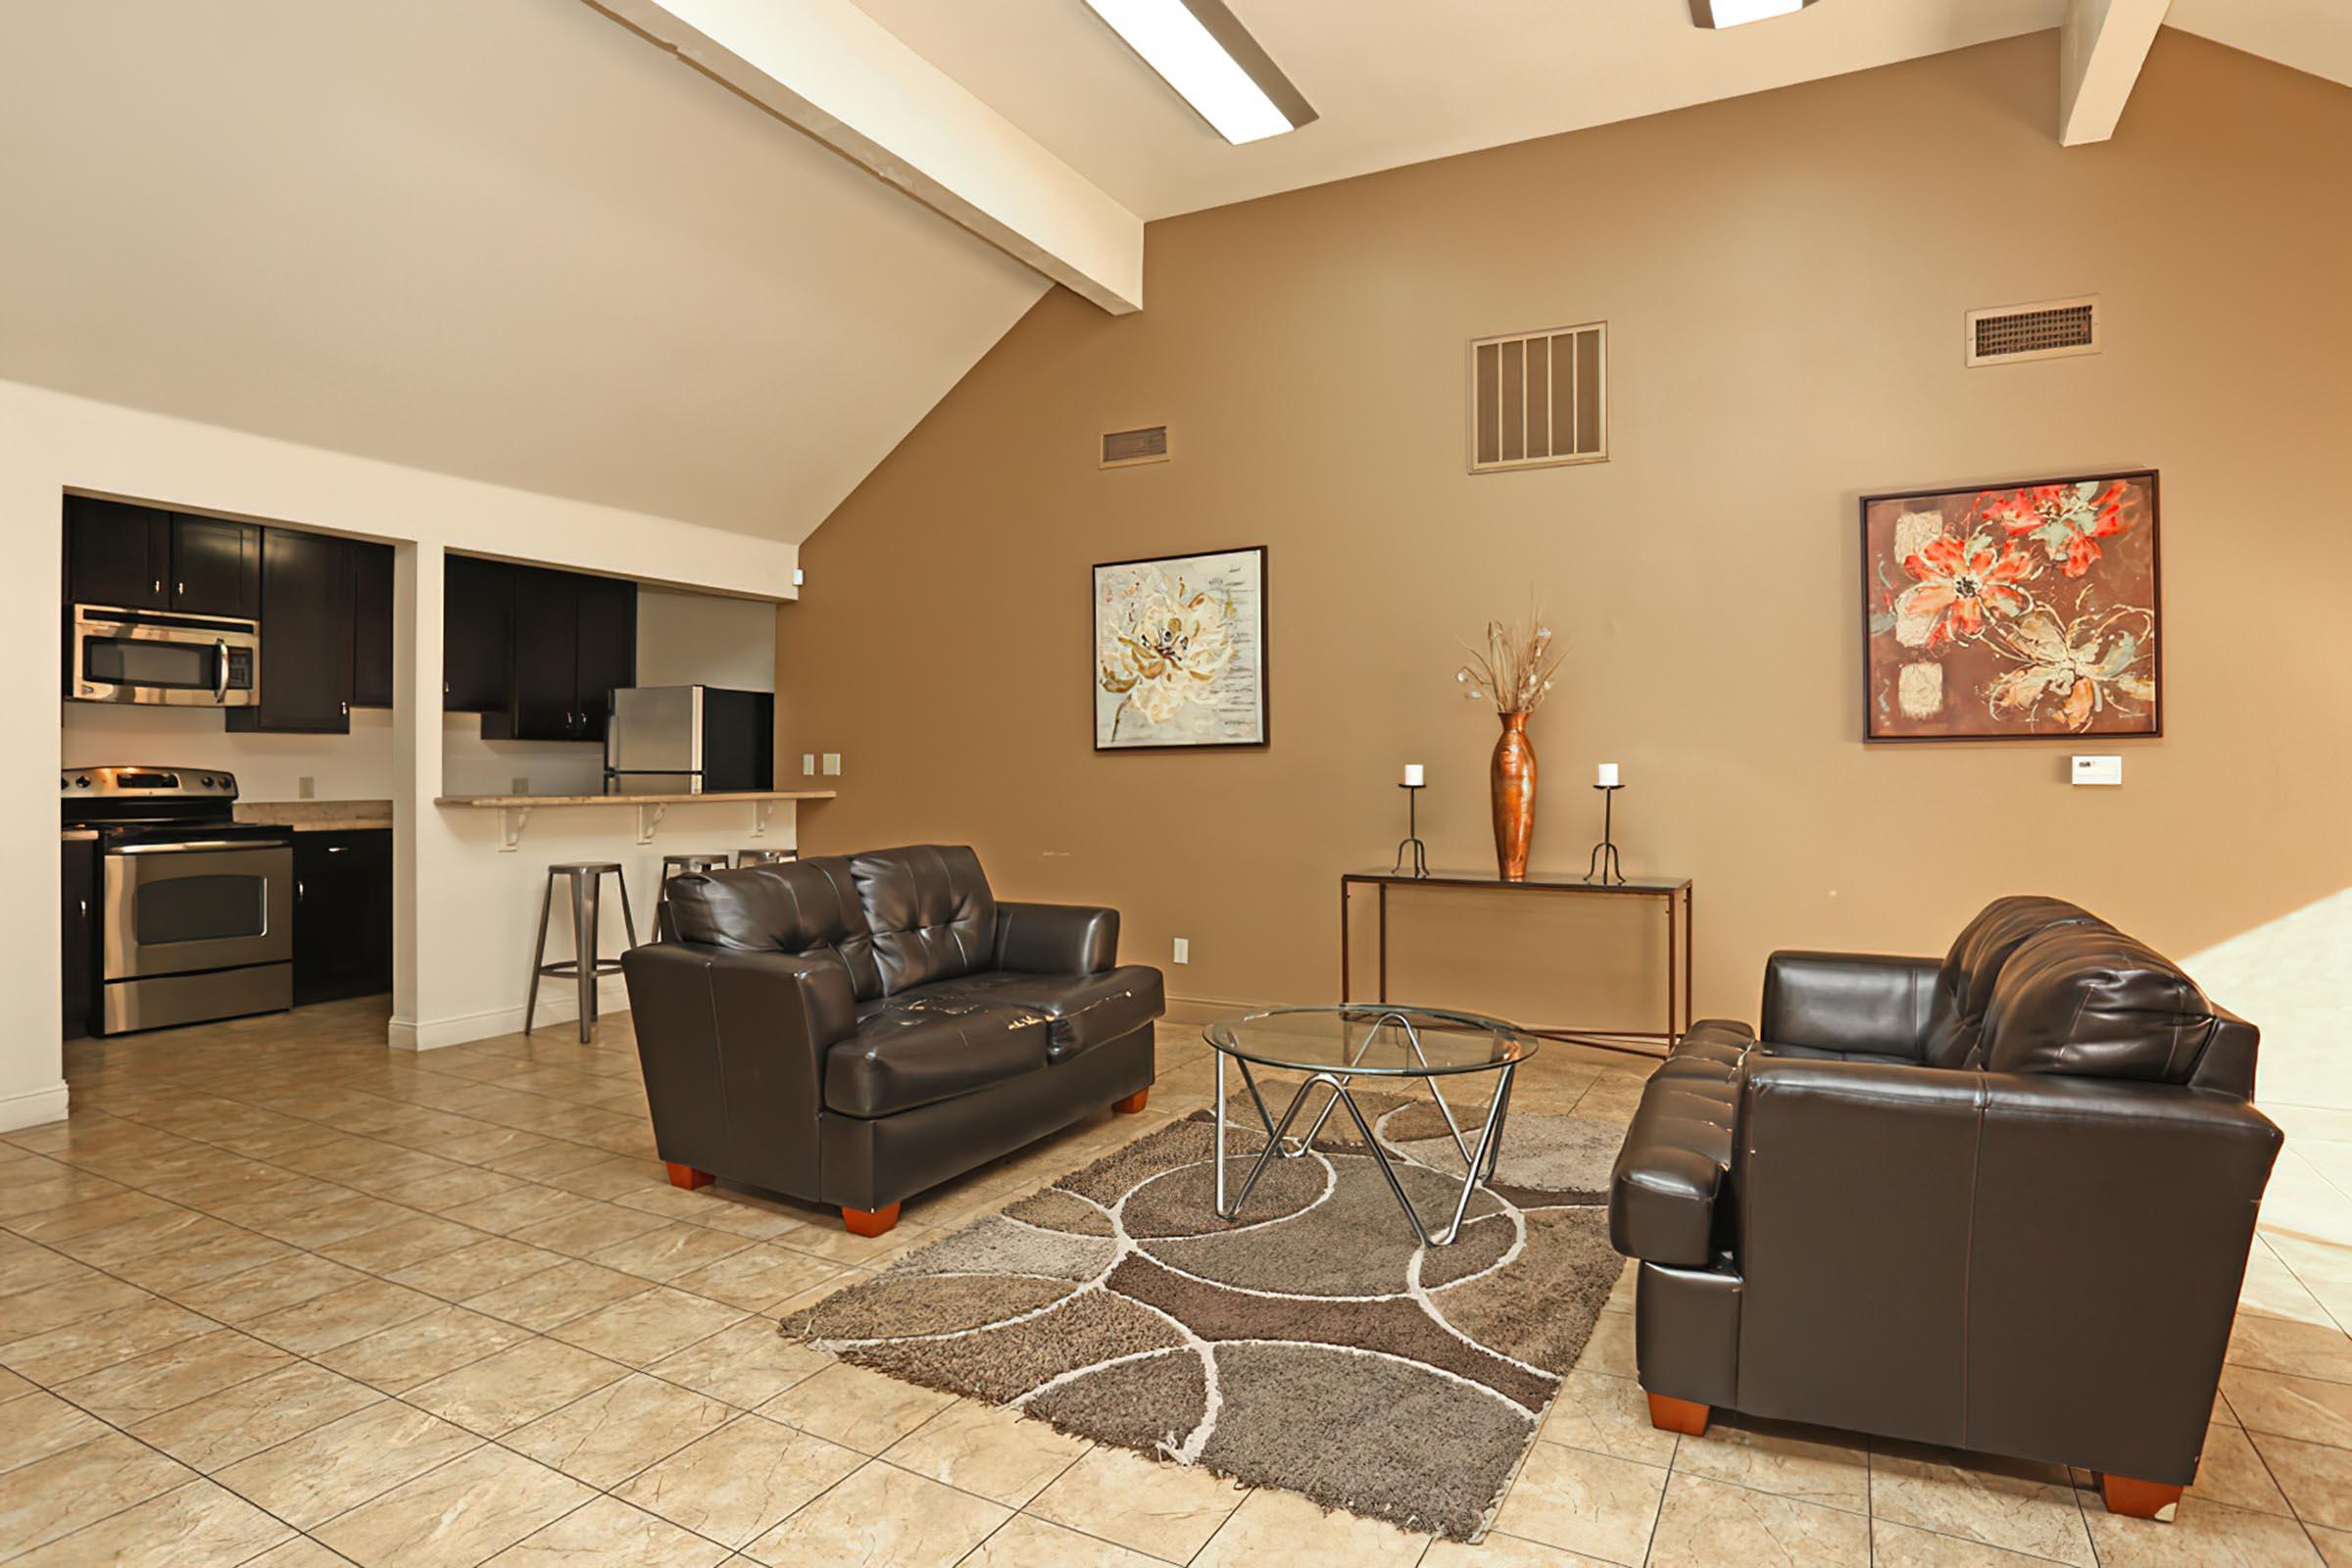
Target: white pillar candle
[[1605, 774], [1412, 774]]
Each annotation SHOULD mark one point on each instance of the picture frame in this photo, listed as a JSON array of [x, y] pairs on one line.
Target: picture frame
[[2027, 609], [1179, 652]]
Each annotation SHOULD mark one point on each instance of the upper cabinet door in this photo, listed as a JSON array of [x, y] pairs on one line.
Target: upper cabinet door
[[608, 649], [370, 624], [117, 554], [216, 567], [478, 634], [306, 636], [545, 705]]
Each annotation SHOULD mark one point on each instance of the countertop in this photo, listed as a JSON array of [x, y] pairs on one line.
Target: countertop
[[318, 816], [511, 801]]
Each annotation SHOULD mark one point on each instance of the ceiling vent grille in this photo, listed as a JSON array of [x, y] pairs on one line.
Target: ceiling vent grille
[[1539, 399], [2050, 331], [1124, 449]]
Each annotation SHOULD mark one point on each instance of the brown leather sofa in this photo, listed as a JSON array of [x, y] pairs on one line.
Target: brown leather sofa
[[851, 1031], [1999, 1202]]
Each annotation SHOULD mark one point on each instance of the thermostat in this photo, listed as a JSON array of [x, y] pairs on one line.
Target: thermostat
[[2098, 771]]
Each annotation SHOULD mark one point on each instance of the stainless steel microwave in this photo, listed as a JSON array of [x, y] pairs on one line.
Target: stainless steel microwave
[[157, 656]]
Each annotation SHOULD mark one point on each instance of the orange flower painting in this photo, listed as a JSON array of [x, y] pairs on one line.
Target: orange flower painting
[[2013, 613]]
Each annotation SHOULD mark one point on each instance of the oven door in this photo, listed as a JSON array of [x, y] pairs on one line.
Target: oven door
[[178, 909], [129, 656]]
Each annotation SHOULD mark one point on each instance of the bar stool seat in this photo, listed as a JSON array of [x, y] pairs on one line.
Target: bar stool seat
[[765, 857], [587, 878]]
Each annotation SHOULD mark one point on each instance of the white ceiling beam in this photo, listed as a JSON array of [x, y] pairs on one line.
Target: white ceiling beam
[[2101, 46], [829, 69]]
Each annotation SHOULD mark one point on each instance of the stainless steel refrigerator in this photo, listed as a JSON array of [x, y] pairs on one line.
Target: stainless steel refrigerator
[[690, 740]]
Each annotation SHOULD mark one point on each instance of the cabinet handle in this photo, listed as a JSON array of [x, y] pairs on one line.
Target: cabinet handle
[[159, 585], [300, 893], [180, 588], [85, 907], [346, 709]]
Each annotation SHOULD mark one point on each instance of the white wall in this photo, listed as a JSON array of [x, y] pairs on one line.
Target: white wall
[[462, 910], [685, 639], [357, 767]]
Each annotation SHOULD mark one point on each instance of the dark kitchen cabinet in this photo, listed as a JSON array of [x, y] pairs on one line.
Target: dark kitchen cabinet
[[478, 634], [216, 567], [306, 636], [370, 624], [342, 915], [575, 641], [117, 554], [78, 923]]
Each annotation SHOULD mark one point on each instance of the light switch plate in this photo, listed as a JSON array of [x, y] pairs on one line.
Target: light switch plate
[[2098, 771], [1184, 950], [807, 764], [522, 783], [832, 762], [306, 787]]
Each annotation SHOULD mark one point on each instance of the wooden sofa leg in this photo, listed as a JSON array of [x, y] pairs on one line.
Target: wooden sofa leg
[[688, 1177], [2139, 1500], [1133, 1103], [1670, 1414], [869, 1221]]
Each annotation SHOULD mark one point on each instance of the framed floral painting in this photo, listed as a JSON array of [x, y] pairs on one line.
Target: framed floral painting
[[1180, 651], [2021, 611]]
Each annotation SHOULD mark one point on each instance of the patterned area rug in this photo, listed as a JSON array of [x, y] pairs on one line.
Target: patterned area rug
[[1312, 1345]]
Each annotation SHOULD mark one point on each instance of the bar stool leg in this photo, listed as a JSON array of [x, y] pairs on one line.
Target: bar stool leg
[[547, 898], [628, 921], [584, 890]]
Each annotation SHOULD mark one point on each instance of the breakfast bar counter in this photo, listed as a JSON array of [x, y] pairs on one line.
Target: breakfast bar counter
[[514, 810]]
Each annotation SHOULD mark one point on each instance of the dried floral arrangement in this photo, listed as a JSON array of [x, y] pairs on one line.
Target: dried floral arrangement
[[1514, 669]]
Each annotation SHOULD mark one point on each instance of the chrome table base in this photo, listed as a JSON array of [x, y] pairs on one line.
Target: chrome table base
[[1478, 1165]]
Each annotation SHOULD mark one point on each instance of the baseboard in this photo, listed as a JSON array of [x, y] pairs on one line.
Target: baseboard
[[458, 1029], [32, 1107]]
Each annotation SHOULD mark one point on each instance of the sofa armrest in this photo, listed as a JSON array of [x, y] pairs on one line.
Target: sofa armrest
[[1848, 1001], [733, 1048], [1057, 938], [2022, 1263]]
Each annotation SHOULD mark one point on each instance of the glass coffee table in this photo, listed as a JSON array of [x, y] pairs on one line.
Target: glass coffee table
[[1335, 1047]]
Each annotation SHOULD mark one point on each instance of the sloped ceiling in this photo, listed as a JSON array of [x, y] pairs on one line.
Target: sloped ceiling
[[1400, 81], [497, 238]]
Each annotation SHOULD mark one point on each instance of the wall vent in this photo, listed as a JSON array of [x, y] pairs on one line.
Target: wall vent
[[2050, 331], [1539, 399], [1124, 449]]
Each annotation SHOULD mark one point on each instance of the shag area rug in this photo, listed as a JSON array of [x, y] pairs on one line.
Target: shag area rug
[[1312, 1345]]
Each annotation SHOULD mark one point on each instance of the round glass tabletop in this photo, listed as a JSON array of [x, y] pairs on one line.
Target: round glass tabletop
[[1371, 1039]]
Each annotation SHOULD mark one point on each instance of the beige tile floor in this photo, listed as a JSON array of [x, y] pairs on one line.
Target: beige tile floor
[[275, 1295]]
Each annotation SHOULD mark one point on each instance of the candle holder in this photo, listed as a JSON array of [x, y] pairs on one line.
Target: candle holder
[[1603, 867], [1410, 846]]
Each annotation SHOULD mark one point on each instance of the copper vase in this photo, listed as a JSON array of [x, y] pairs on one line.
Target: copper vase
[[1514, 797]]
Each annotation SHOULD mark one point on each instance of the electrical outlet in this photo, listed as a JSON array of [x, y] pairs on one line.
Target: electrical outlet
[[306, 787], [1184, 950], [832, 764], [522, 784], [808, 765]]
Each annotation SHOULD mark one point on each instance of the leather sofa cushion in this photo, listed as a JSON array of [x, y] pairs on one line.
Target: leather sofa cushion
[[1954, 1036], [808, 908], [1716, 1045], [1671, 1174], [920, 1050], [2087, 1002], [931, 912], [1081, 1011]]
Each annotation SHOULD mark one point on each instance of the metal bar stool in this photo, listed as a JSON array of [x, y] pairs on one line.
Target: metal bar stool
[[587, 887], [765, 857], [679, 866]]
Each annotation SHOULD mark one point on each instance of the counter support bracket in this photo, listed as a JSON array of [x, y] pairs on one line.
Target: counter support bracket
[[649, 817], [760, 810], [511, 820]]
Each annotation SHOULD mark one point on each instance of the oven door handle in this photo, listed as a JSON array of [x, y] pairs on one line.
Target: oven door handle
[[221, 669], [191, 846]]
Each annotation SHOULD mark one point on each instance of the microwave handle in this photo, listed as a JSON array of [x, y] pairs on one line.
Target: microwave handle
[[221, 669]]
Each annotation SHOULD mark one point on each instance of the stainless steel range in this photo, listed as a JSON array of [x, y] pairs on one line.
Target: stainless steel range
[[196, 918]]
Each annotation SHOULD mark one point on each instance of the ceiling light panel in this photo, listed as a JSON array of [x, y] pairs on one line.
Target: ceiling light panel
[[1203, 51], [1737, 13]]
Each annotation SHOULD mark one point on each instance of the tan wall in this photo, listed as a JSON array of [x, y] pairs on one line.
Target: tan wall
[[1784, 278]]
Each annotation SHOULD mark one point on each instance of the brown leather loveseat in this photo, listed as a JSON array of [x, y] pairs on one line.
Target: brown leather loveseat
[[2001, 1202], [851, 1031]]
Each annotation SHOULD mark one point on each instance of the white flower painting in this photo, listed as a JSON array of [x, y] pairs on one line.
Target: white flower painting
[[1180, 651]]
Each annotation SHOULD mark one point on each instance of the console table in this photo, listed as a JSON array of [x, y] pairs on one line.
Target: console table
[[1670, 895]]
